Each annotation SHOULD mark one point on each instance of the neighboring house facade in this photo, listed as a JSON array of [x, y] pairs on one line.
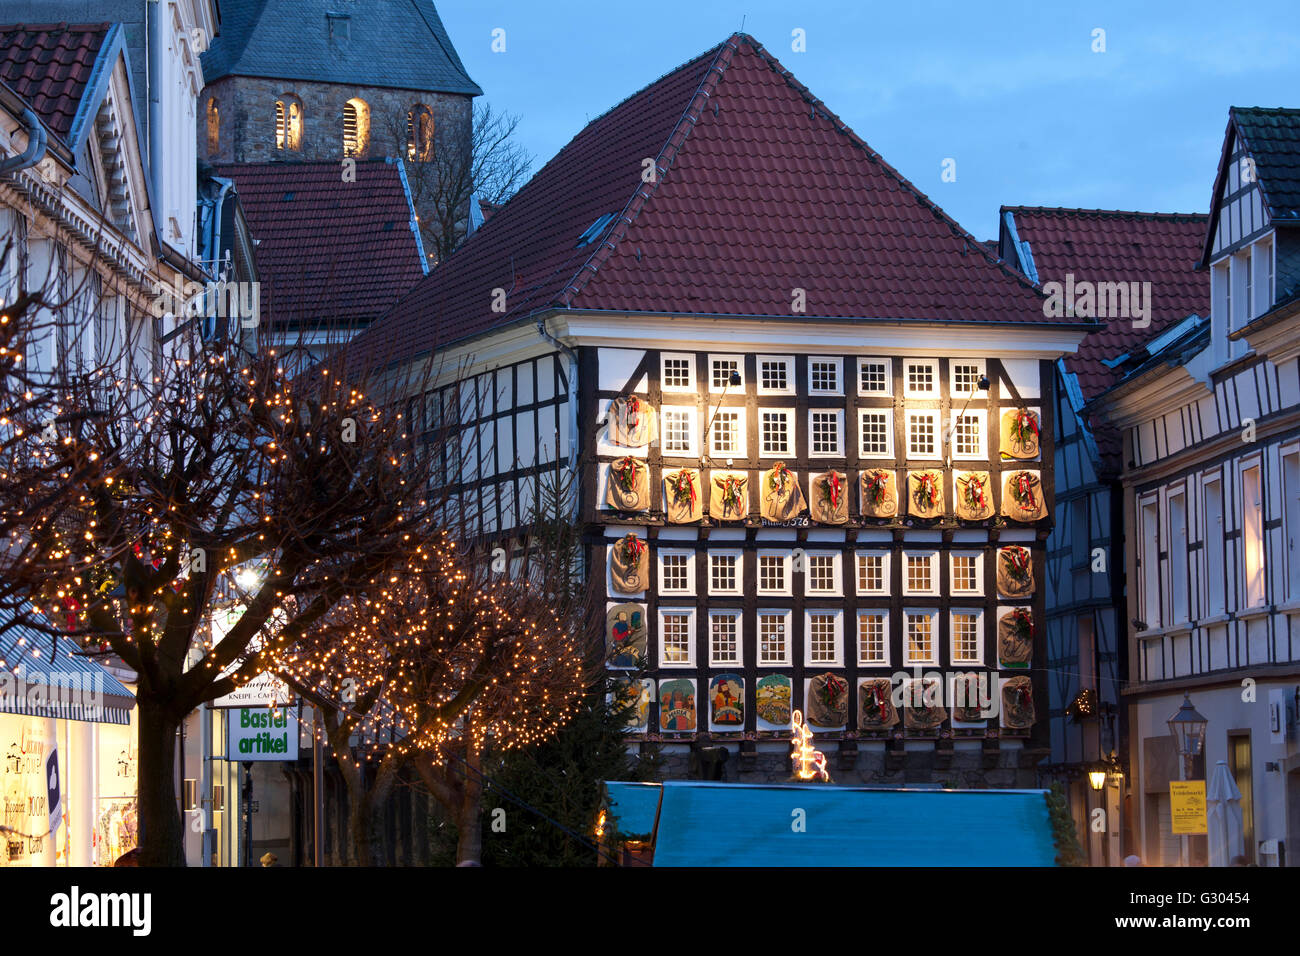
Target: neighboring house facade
[[1210, 411], [680, 332], [1086, 625]]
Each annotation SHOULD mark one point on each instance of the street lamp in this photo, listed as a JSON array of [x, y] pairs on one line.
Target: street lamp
[[1188, 728], [1097, 777]]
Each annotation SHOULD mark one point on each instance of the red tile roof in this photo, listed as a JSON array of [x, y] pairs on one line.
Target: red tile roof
[[328, 250], [49, 66], [1105, 245], [760, 190]]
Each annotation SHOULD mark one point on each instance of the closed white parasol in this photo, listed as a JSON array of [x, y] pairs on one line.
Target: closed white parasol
[[1223, 808]]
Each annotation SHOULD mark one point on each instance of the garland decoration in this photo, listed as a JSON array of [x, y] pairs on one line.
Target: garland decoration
[[683, 487], [976, 496], [1024, 426], [732, 489], [1022, 490], [831, 689], [1017, 561], [779, 477], [633, 547], [927, 489], [832, 490], [625, 472], [877, 486], [1022, 622]]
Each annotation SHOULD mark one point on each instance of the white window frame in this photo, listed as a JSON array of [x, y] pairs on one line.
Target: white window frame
[[884, 571], [791, 442], [785, 564], [1214, 544], [1290, 485], [933, 415], [664, 553], [1149, 602], [690, 366], [933, 558], [837, 572], [837, 616], [978, 614], [883, 614], [975, 395], [787, 616], [981, 419], [908, 391], [1179, 554], [692, 431], [740, 452], [787, 361], [1250, 598], [740, 571], [889, 374], [979, 572], [689, 613], [888, 412], [834, 360], [839, 433], [738, 616], [740, 369], [933, 615]]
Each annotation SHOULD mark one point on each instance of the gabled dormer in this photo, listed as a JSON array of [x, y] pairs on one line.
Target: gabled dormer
[[1252, 245]]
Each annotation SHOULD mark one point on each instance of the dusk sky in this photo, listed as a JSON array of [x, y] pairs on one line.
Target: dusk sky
[[1013, 92]]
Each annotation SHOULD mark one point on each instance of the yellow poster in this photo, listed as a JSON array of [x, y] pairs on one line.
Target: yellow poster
[[1187, 806]]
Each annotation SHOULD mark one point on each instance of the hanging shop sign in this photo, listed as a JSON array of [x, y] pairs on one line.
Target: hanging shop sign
[[262, 733]]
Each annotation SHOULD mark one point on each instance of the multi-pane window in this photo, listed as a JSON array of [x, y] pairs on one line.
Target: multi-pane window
[[675, 572], [824, 376], [774, 375], [727, 436], [823, 573], [823, 637], [922, 435], [825, 427], [918, 572], [968, 435], [721, 368], [675, 627], [773, 573], [875, 433], [775, 432], [678, 373], [873, 572], [724, 572], [966, 637], [724, 637], [678, 431], [873, 629], [873, 376], [966, 571], [966, 378], [921, 378], [773, 637], [919, 637]]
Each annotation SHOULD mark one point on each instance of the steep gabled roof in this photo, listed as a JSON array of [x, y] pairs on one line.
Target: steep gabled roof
[[1108, 245], [758, 190], [329, 250], [400, 44], [56, 68], [1270, 137]]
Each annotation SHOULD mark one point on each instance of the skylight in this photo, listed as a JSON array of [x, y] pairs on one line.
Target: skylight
[[595, 229]]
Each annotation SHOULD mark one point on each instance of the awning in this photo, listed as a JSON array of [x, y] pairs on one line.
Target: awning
[[634, 807], [702, 823], [40, 679]]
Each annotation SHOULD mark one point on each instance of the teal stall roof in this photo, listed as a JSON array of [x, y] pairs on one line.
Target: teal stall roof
[[633, 806], [719, 824]]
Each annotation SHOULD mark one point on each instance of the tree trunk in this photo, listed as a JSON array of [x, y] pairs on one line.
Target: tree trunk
[[162, 840], [366, 830], [469, 825]]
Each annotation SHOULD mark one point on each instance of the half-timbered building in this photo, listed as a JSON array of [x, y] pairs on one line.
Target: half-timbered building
[[1210, 412], [1151, 259], [806, 416]]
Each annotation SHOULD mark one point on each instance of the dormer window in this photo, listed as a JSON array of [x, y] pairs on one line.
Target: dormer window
[[288, 123], [356, 128], [419, 134], [339, 26]]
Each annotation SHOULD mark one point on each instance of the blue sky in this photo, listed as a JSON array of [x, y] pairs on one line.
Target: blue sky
[[1012, 91]]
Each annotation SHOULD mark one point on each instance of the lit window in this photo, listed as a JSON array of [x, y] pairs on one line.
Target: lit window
[[825, 428], [775, 431], [419, 134], [678, 431], [678, 373], [823, 637], [920, 576], [724, 637], [675, 572], [1252, 536], [774, 376], [356, 128], [922, 435], [288, 123], [675, 627], [873, 573], [721, 370], [872, 629], [724, 572], [773, 637], [876, 433], [968, 436], [921, 378], [966, 570], [214, 127], [966, 378], [920, 637], [773, 574], [823, 574], [966, 637], [824, 376], [873, 376], [727, 437]]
